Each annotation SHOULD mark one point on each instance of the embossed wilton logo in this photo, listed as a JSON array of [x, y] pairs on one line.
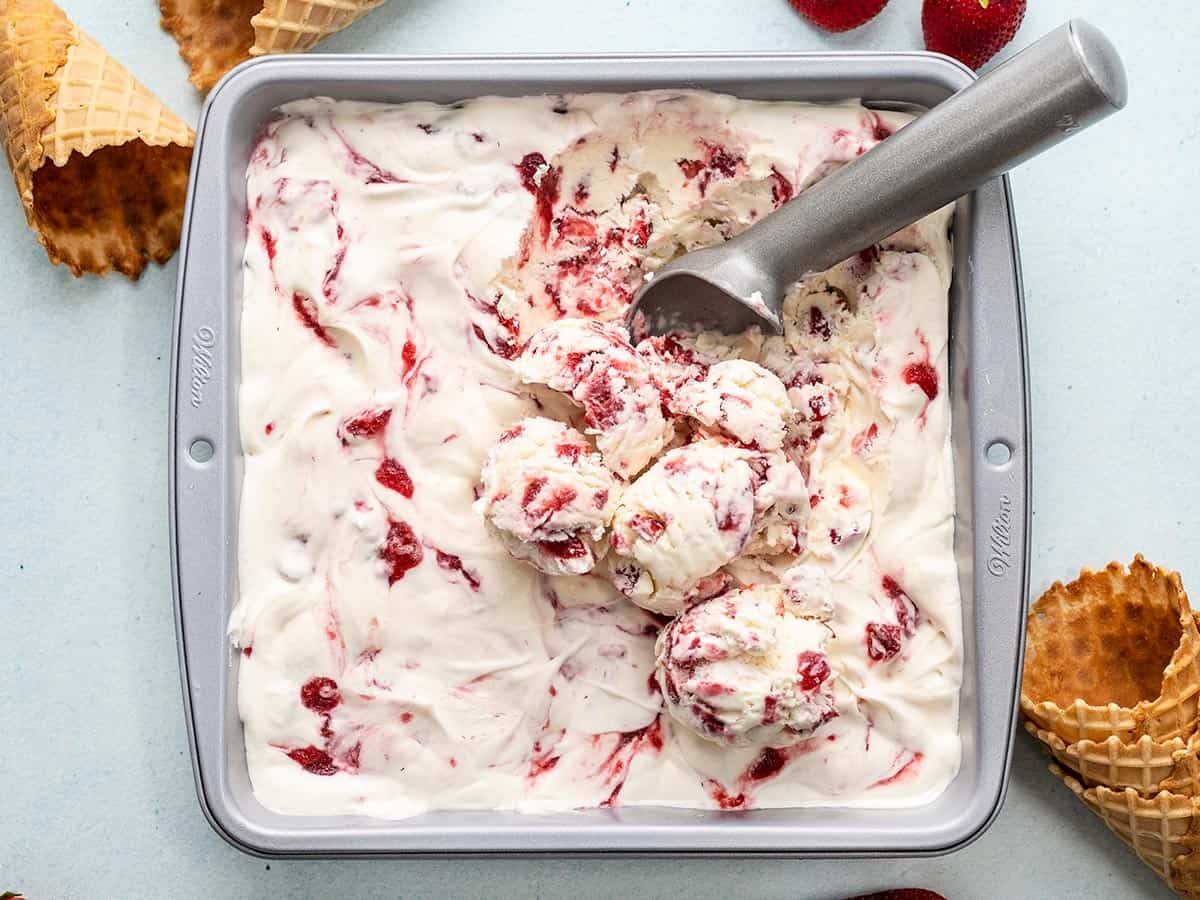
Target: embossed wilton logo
[[202, 362], [1000, 539], [1068, 124]]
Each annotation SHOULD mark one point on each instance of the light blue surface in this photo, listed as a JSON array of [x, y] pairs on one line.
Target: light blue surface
[[96, 795]]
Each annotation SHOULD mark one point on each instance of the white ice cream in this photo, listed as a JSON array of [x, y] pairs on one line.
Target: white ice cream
[[691, 513], [548, 496], [595, 364], [749, 667], [740, 400], [395, 657]]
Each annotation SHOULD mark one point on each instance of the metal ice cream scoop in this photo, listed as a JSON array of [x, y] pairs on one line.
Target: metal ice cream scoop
[[1067, 81]]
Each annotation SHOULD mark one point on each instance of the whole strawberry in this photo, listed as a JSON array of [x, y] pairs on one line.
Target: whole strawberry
[[972, 31], [839, 15]]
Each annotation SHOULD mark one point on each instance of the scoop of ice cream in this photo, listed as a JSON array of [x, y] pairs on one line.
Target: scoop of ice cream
[[809, 591], [747, 667], [596, 365], [740, 400], [674, 360], [783, 508], [691, 513], [548, 496], [842, 513]]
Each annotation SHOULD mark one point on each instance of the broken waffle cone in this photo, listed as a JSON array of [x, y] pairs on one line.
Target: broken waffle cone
[[1163, 829], [293, 26], [1115, 653], [100, 165], [1146, 765], [216, 35], [1185, 875], [213, 35]]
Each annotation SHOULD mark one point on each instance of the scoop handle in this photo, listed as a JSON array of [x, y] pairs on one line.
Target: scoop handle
[[1066, 82]]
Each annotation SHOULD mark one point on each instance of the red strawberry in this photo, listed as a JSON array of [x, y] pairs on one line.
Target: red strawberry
[[972, 31], [838, 15]]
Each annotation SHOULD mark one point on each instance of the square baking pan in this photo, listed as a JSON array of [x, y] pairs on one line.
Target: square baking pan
[[990, 437]]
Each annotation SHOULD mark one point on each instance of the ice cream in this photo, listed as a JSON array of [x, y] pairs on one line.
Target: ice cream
[[548, 496], [740, 400], [842, 513], [749, 667], [693, 512], [393, 655], [723, 490], [596, 365]]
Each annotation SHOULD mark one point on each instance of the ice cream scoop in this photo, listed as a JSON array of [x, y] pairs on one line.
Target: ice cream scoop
[[1067, 81]]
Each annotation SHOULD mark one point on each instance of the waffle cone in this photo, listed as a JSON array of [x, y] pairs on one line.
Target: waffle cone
[[1163, 830], [1147, 766], [100, 165], [216, 35], [1115, 653], [293, 26], [1185, 875]]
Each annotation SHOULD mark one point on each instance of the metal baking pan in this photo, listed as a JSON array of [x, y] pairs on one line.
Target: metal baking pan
[[990, 418]]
